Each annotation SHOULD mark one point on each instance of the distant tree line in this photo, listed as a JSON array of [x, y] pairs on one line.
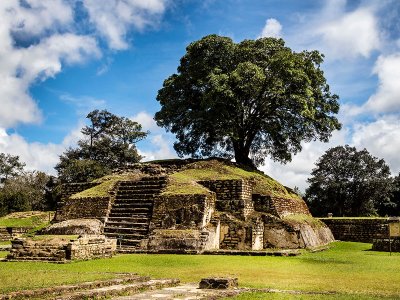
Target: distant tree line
[[22, 190], [348, 182]]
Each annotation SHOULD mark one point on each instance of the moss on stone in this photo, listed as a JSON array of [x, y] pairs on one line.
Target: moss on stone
[[303, 219], [106, 184], [184, 181]]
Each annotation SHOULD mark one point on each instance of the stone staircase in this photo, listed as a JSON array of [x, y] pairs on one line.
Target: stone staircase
[[131, 212]]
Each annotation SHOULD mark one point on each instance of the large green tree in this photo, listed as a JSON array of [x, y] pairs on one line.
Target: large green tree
[[108, 142], [246, 100], [348, 182], [10, 166]]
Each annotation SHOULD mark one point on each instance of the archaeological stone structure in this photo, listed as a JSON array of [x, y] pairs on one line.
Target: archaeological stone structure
[[188, 206]]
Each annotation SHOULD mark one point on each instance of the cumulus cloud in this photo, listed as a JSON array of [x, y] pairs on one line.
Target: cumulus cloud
[[20, 66], [158, 143], [353, 34], [162, 149], [298, 170], [147, 121], [272, 28], [340, 33], [113, 19], [381, 138], [387, 97]]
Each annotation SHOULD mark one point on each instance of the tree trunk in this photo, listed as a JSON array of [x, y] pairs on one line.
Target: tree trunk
[[242, 155]]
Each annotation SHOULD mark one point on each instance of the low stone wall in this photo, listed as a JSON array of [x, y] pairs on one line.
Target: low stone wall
[[386, 245], [84, 208], [5, 235], [89, 247], [233, 196], [8, 233], [61, 249], [357, 230]]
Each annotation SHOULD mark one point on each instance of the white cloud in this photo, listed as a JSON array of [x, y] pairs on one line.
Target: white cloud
[[272, 28], [381, 138], [353, 34], [113, 19], [338, 32], [37, 16], [387, 97], [162, 148], [298, 170], [146, 120], [20, 67]]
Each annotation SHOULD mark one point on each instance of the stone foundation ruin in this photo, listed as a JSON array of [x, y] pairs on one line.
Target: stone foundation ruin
[[174, 206]]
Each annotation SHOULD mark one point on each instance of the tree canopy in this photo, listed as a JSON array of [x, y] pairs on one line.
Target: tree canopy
[[348, 182], [108, 143], [10, 165], [22, 190], [246, 100]]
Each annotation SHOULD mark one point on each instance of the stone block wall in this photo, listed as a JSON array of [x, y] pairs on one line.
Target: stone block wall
[[8, 233], [49, 250], [89, 247], [386, 245], [357, 230], [59, 249], [84, 208], [289, 206], [69, 189], [233, 196], [182, 211], [235, 234], [279, 207], [5, 235]]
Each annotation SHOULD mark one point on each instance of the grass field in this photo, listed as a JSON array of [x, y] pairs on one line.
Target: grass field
[[349, 269], [26, 219]]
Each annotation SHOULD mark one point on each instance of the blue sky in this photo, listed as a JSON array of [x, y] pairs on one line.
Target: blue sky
[[60, 59]]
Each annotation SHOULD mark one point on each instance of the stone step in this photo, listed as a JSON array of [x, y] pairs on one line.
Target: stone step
[[127, 224], [142, 186], [120, 289], [122, 230], [136, 198], [133, 219], [132, 204], [131, 243], [135, 193], [154, 183], [130, 200], [128, 214], [116, 210], [125, 236]]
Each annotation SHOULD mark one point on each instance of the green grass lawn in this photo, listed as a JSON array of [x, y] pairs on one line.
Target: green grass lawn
[[349, 269], [26, 219]]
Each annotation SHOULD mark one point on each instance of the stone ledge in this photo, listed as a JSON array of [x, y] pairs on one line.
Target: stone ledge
[[218, 283]]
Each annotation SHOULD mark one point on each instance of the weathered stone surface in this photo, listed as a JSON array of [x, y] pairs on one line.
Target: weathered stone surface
[[61, 249], [357, 230], [386, 245], [75, 227], [83, 208], [279, 233], [218, 283]]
